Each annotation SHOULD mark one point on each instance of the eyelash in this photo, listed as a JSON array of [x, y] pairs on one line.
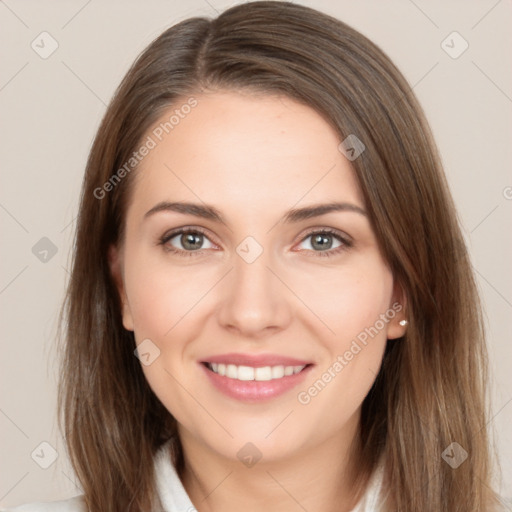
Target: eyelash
[[346, 244]]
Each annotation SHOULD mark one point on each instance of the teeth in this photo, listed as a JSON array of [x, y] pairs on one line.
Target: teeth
[[231, 371], [262, 373], [277, 372], [288, 370], [245, 373]]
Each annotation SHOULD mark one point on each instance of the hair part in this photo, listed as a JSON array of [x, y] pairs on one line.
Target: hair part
[[431, 388]]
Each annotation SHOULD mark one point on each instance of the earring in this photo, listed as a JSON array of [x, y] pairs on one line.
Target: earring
[[403, 323]]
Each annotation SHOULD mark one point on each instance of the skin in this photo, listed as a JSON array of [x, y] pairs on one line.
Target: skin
[[254, 157]]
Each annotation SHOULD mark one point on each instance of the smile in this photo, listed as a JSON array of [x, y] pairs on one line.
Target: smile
[[247, 373], [255, 383]]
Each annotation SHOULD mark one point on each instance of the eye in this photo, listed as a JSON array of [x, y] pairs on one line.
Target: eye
[[190, 242], [322, 242], [185, 241]]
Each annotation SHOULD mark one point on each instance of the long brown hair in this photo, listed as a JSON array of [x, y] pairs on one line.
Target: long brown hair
[[431, 390]]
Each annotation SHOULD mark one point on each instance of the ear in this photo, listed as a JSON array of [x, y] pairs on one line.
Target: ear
[[115, 260], [399, 306]]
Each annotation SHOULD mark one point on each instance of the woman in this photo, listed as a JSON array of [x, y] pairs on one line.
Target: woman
[[271, 304]]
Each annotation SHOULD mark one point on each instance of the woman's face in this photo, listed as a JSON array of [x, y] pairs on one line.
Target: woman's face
[[297, 320]]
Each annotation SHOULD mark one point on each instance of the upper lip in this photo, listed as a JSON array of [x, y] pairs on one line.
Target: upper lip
[[256, 360]]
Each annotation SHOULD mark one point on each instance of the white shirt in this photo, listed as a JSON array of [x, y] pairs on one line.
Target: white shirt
[[174, 497]]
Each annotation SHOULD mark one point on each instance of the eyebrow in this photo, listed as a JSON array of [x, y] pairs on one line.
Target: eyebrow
[[291, 216]]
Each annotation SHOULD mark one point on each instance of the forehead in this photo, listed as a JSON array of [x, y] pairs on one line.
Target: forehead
[[245, 151]]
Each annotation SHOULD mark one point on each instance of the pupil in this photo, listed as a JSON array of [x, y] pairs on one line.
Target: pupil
[[323, 241], [189, 240]]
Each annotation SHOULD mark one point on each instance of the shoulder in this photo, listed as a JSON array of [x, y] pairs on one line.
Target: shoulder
[[76, 504]]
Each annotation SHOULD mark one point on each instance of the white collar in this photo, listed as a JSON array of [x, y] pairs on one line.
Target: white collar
[[172, 494], [174, 497], [370, 502]]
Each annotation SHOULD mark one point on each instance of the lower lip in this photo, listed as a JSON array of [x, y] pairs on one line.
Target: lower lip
[[252, 390]]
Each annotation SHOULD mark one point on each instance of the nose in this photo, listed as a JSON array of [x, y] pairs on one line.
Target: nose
[[255, 300]]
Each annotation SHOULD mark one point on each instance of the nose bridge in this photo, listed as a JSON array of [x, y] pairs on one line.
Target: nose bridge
[[254, 298]]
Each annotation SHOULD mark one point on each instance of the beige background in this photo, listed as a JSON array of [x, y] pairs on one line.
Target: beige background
[[51, 108]]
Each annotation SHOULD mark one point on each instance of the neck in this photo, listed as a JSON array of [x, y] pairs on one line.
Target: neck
[[320, 478]]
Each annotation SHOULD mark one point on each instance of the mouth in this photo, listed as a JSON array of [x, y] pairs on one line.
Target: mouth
[[254, 378], [250, 373]]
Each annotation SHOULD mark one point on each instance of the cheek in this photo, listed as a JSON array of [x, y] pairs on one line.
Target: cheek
[[162, 302], [357, 307], [355, 303], [167, 304], [338, 306], [344, 301], [160, 296], [349, 299]]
